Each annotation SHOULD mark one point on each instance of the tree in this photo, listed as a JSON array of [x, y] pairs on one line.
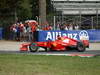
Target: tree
[[10, 10], [7, 10], [49, 7], [24, 12], [34, 8]]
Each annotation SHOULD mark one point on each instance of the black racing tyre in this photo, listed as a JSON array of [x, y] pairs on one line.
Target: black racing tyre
[[33, 47], [80, 47], [47, 49]]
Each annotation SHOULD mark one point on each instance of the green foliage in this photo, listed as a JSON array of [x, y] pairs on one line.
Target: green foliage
[[23, 9], [12, 11], [34, 8], [26, 64], [24, 12], [49, 7], [8, 8]]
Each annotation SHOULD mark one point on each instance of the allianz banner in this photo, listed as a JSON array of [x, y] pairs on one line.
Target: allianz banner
[[92, 35]]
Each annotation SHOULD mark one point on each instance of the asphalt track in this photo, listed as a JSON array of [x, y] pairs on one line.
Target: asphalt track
[[89, 53], [10, 47]]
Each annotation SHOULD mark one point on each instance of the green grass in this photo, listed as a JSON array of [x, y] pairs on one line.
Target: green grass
[[24, 64]]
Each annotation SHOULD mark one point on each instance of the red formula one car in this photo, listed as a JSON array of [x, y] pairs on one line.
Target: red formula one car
[[61, 44]]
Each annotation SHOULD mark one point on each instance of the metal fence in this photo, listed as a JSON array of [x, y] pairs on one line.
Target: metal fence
[[83, 21], [84, 13]]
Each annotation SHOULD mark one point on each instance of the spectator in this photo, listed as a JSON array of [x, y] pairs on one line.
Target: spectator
[[33, 27], [66, 27], [76, 27], [70, 27], [13, 32], [18, 33], [48, 27], [21, 26], [58, 26], [29, 33]]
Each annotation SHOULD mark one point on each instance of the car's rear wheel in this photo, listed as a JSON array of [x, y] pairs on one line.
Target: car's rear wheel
[[33, 47], [80, 47]]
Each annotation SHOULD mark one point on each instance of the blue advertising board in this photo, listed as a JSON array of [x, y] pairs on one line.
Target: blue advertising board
[[92, 35], [1, 30]]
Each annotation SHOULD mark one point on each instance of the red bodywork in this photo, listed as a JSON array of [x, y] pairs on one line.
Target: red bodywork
[[64, 43]]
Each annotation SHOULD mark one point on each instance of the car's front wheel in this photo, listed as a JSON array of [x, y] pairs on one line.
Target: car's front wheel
[[33, 47], [80, 47], [47, 49]]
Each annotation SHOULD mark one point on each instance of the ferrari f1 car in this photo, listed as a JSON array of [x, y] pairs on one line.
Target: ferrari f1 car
[[61, 44]]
